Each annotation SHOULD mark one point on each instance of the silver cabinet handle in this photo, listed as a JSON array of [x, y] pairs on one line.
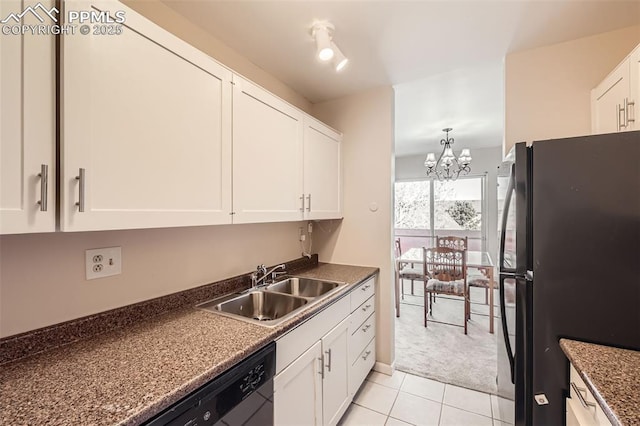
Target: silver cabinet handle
[[366, 355], [366, 308], [44, 186], [583, 402], [309, 202], [366, 327], [329, 362], [81, 182], [621, 117], [366, 287], [321, 372], [302, 201], [629, 115]]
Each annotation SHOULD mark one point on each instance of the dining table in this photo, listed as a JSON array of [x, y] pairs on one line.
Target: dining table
[[480, 260]]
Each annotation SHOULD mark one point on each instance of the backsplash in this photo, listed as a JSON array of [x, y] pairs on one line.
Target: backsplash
[[35, 341]]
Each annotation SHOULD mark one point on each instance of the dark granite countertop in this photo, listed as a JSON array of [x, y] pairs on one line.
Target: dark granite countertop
[[129, 374], [612, 376]]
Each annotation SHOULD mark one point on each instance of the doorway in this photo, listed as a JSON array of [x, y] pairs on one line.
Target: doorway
[[425, 209]]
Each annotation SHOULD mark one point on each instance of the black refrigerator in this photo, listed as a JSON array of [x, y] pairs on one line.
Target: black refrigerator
[[569, 264]]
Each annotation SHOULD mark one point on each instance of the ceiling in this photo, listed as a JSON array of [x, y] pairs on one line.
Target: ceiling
[[443, 57]]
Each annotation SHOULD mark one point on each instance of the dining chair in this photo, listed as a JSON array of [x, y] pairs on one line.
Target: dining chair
[[445, 272], [476, 277], [406, 272]]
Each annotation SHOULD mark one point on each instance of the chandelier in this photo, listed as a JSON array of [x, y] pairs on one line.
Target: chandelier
[[448, 166]]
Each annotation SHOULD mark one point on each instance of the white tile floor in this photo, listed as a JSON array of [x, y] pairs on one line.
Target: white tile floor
[[405, 399]]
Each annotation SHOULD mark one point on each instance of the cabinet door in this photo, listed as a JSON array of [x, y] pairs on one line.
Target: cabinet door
[[27, 126], [607, 101], [297, 395], [267, 156], [335, 385], [147, 117], [322, 171], [634, 91]]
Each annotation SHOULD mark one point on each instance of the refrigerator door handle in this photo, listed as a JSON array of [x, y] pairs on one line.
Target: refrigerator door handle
[[505, 330], [505, 214]]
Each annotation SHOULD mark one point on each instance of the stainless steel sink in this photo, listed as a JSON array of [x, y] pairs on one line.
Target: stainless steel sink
[[304, 287], [268, 308]]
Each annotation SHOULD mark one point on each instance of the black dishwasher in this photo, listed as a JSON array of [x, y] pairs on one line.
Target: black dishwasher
[[242, 395]]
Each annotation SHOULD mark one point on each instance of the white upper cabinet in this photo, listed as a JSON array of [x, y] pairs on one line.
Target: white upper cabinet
[[614, 100], [146, 129], [27, 127], [322, 171], [267, 156], [152, 133]]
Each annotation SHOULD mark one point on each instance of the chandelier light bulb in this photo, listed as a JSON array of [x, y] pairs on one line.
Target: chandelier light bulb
[[430, 160]]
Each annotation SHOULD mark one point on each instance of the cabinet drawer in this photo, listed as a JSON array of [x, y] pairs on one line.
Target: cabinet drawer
[[361, 313], [361, 336], [361, 367], [362, 293], [584, 406]]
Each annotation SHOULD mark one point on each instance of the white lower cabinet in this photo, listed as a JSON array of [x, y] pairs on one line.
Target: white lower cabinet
[[582, 407], [321, 363], [335, 387], [298, 390]]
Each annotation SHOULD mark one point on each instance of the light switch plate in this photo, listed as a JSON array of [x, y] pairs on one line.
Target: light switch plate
[[103, 262]]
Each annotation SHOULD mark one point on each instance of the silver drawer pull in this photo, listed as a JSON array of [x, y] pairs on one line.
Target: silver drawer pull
[[44, 186], [366, 287], [81, 182], [329, 361], [629, 115], [583, 402], [366, 355], [366, 327], [366, 308], [621, 116], [321, 372]]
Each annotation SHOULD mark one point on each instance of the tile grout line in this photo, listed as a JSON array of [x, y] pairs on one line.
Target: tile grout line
[[396, 398]]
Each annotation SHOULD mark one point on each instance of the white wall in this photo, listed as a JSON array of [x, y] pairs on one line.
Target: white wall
[[485, 161], [364, 236], [548, 89], [42, 276]]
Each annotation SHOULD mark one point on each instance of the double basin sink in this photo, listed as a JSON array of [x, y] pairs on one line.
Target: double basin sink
[[274, 303]]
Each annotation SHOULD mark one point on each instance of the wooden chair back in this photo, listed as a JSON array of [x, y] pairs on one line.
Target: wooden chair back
[[458, 243], [444, 264]]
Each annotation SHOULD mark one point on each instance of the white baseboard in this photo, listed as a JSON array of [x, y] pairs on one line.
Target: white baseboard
[[383, 368]]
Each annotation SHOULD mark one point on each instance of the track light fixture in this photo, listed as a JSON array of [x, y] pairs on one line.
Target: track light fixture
[[339, 60], [322, 31], [326, 48]]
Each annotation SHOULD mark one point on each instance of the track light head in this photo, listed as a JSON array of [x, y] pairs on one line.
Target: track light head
[[322, 32], [339, 60]]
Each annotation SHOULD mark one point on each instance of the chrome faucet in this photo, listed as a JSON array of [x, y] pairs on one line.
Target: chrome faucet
[[262, 274]]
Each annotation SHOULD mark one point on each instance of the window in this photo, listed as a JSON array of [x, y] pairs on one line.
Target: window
[[424, 209]]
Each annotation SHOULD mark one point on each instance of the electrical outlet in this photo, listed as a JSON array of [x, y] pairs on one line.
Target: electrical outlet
[[103, 262], [310, 227]]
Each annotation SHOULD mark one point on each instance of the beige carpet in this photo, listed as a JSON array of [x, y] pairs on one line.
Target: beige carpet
[[443, 352]]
